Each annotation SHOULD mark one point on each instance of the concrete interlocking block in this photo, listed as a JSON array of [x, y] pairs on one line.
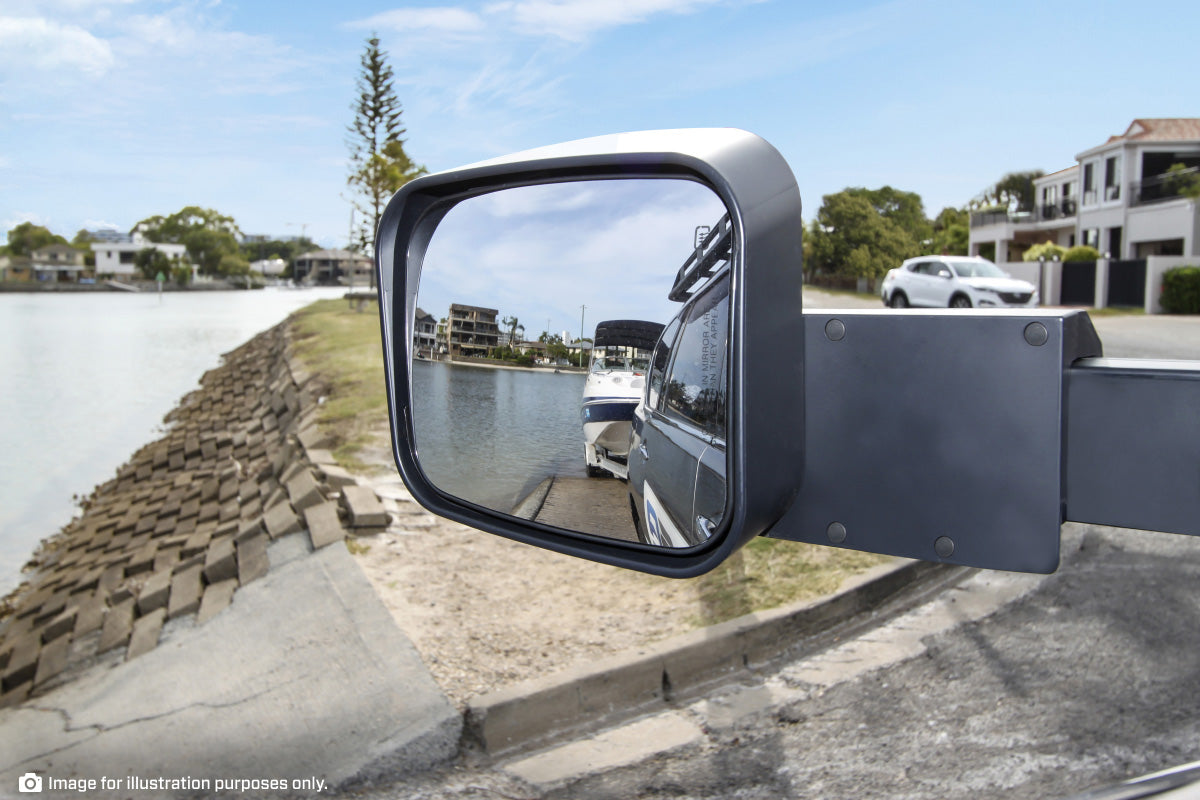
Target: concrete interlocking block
[[145, 633], [90, 616], [252, 559], [335, 476], [324, 527], [52, 660], [61, 625], [186, 589], [155, 591], [281, 520], [22, 663], [118, 624], [196, 543], [142, 560], [216, 597], [304, 491], [221, 561], [365, 509]]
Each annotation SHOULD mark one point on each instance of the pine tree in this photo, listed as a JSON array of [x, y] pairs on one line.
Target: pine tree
[[378, 163]]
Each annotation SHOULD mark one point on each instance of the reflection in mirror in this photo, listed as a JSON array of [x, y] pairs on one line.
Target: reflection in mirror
[[570, 357]]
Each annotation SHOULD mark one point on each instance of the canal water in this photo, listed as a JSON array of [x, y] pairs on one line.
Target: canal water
[[86, 379], [492, 435]]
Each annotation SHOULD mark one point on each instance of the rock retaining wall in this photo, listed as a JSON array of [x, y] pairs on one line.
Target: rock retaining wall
[[185, 522]]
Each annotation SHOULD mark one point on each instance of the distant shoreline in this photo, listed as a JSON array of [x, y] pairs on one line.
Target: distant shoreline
[[482, 365], [143, 287]]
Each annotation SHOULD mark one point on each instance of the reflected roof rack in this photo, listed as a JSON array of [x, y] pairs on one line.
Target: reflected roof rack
[[704, 261]]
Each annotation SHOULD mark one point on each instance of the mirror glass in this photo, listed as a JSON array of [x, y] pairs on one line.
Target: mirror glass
[[542, 386]]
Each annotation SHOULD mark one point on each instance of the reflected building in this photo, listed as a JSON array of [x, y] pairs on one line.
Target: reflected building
[[472, 331]]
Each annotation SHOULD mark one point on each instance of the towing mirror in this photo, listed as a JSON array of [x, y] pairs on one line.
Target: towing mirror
[[525, 303], [964, 437]]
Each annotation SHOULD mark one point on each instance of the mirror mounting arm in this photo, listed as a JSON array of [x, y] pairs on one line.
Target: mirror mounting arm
[[970, 438]]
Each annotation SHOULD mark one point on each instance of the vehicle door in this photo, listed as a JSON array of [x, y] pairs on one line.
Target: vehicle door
[[922, 285], [941, 284], [682, 446]]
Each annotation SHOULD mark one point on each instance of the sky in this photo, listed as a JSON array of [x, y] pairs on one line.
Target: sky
[[115, 110], [563, 257]]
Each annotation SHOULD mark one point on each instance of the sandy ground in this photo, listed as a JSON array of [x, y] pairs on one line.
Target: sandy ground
[[486, 612]]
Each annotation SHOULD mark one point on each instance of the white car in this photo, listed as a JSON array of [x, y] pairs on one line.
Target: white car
[[955, 282]]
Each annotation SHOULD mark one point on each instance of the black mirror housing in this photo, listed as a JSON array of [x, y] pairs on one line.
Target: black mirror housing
[[766, 337]]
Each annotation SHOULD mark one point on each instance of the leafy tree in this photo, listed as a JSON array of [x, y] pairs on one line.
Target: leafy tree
[[1014, 192], [378, 163], [1182, 181], [555, 349], [1047, 249], [233, 264], [289, 251], [207, 234], [850, 236], [951, 232], [27, 237], [150, 262], [513, 324], [83, 242], [903, 208]]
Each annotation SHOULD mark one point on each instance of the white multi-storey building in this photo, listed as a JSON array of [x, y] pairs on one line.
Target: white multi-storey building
[[117, 258], [1118, 198], [1135, 199]]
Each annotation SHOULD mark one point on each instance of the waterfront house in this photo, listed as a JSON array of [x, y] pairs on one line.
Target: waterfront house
[[472, 331], [59, 263], [117, 258], [16, 268], [1135, 199], [333, 268], [425, 334]]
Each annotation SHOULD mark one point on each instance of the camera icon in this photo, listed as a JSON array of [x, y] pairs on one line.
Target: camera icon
[[30, 782]]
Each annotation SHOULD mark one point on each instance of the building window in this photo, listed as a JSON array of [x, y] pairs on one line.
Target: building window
[[1112, 178], [1091, 238], [1089, 184]]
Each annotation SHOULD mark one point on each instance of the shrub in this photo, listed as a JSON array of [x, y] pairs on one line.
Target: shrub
[[1048, 249], [1181, 290], [1081, 252]]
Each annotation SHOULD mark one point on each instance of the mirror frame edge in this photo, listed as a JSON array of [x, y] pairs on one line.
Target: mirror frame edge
[[758, 189]]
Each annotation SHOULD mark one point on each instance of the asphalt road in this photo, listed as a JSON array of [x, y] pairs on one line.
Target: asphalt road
[[1088, 676]]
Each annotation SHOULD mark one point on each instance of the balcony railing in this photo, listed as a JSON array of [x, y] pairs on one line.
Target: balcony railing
[[1064, 209], [1160, 188]]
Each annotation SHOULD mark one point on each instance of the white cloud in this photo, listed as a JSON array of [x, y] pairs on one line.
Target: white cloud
[[576, 20], [42, 45], [452, 21], [19, 217]]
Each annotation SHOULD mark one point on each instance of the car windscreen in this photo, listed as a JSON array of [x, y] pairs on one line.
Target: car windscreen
[[977, 269]]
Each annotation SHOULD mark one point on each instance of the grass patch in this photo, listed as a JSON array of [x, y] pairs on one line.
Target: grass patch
[[768, 573], [1116, 311], [343, 347], [845, 292], [356, 547]]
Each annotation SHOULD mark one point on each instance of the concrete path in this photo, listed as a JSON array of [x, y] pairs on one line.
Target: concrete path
[[305, 677]]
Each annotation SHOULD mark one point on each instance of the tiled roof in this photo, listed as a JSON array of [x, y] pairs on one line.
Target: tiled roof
[[1162, 130]]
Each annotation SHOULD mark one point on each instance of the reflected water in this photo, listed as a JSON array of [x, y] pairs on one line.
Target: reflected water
[[492, 435]]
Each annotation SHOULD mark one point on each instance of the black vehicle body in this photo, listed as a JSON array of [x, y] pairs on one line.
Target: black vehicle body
[[680, 426]]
